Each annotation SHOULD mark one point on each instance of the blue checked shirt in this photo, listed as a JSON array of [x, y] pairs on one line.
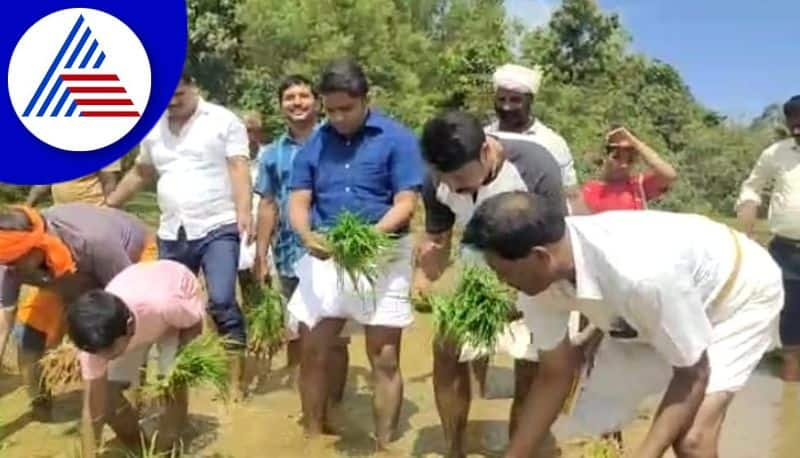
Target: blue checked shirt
[[275, 165]]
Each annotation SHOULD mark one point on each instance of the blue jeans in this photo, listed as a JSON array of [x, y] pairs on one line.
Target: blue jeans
[[787, 254], [218, 255]]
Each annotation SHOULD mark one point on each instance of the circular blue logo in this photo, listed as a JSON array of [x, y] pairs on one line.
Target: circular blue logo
[[85, 84]]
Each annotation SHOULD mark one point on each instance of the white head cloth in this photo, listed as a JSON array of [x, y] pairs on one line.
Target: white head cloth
[[518, 78]]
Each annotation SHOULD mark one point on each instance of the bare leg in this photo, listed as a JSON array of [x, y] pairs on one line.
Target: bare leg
[[480, 369], [41, 402], [451, 387], [524, 373], [7, 317], [314, 388], [790, 371], [122, 417], [173, 421], [701, 440], [339, 362], [294, 353], [383, 351]]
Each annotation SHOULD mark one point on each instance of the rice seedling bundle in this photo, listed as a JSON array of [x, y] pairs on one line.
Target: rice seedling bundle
[[265, 321], [601, 449], [60, 368], [358, 249], [201, 362], [476, 312]]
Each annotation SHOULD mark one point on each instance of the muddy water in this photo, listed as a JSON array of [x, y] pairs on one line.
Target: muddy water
[[764, 420]]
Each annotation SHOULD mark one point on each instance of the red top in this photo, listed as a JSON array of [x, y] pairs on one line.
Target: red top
[[633, 194]]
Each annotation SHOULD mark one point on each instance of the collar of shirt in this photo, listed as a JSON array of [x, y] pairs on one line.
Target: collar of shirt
[[586, 285], [373, 120]]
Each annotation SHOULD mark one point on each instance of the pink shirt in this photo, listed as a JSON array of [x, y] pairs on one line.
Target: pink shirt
[[632, 194], [164, 297]]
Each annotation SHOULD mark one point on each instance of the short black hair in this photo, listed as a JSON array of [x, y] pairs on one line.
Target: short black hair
[[451, 140], [96, 319], [12, 219], [187, 75], [511, 224], [294, 80], [792, 107], [343, 74]]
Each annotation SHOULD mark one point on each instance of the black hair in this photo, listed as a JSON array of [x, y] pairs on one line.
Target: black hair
[[96, 319], [792, 107], [344, 74], [12, 219], [294, 80], [187, 75], [451, 140], [511, 224]]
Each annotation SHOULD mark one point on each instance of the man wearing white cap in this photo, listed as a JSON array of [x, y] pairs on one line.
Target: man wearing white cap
[[515, 89]]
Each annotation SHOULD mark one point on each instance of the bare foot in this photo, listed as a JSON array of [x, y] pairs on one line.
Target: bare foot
[[790, 371]]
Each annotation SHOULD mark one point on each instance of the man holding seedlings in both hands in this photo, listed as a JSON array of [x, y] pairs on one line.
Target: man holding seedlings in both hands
[[159, 303], [696, 320], [363, 162], [468, 167]]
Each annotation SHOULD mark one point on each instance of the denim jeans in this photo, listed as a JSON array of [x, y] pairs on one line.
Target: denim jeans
[[787, 254], [217, 254]]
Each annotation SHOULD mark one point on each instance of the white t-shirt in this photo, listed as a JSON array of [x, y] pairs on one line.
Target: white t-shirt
[[643, 276], [542, 135], [194, 185]]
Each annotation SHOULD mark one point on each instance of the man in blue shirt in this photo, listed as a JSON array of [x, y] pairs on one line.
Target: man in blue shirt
[[299, 106], [366, 163]]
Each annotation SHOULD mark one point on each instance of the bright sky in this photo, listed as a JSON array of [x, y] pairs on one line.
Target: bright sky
[[737, 56]]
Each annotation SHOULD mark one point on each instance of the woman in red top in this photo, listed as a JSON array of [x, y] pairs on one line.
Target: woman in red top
[[619, 189]]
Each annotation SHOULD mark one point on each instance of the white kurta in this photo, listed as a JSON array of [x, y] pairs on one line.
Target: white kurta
[[660, 275]]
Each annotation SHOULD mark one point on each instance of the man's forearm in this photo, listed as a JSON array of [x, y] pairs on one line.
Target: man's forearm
[[90, 435], [299, 212], [132, 182], [399, 216], [678, 408], [7, 315], [267, 217], [240, 181], [663, 168], [36, 193], [546, 398], [432, 258], [746, 215], [108, 181]]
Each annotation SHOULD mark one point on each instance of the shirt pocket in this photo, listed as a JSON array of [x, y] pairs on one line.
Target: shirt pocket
[[372, 174]]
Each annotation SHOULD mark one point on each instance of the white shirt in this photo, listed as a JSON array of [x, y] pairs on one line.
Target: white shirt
[[658, 272], [548, 138], [779, 164], [194, 185]]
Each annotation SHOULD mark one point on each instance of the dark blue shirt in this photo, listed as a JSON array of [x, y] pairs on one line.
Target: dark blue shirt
[[360, 174]]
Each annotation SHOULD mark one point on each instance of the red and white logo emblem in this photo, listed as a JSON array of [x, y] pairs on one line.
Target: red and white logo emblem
[[79, 79]]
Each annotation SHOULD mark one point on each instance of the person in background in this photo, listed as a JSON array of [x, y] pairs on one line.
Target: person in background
[[255, 137], [515, 89], [619, 188], [300, 106], [60, 253], [198, 152], [369, 164], [91, 189], [779, 165], [158, 303]]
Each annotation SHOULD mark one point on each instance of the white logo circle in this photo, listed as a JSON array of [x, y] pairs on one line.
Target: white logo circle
[[79, 79]]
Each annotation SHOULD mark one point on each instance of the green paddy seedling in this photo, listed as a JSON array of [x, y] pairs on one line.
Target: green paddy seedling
[[265, 321], [476, 312], [358, 249], [201, 362]]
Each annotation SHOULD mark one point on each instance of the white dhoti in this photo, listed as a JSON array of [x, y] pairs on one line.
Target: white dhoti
[[321, 292], [744, 327]]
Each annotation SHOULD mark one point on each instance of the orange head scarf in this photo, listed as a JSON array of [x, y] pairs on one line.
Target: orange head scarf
[[15, 244]]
